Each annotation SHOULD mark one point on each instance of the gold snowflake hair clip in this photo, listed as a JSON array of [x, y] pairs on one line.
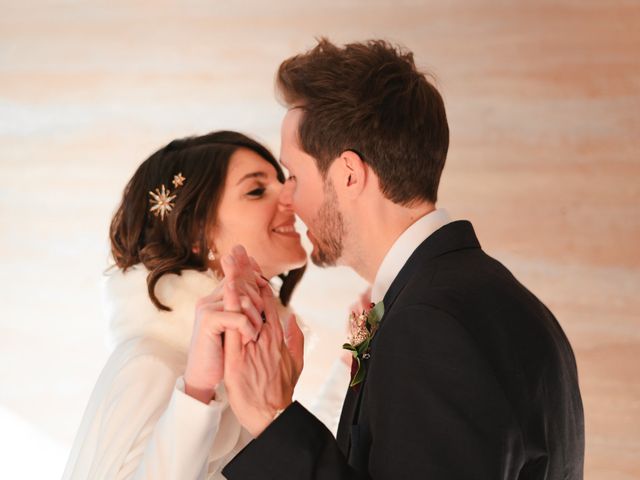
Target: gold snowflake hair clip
[[162, 200], [178, 180]]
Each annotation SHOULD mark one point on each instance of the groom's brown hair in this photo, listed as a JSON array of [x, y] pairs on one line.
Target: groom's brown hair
[[370, 98]]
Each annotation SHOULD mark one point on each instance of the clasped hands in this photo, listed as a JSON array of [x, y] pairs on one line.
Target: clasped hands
[[238, 337]]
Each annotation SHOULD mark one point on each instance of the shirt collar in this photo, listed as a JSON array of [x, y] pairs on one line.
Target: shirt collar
[[402, 249]]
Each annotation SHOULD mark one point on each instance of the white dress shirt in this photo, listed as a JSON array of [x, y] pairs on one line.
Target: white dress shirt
[[402, 249]]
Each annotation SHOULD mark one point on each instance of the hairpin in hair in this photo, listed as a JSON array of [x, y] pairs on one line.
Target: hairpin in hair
[[162, 200], [178, 180]]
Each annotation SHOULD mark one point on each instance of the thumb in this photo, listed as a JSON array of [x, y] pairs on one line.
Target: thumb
[[232, 338], [294, 340], [230, 267], [230, 297]]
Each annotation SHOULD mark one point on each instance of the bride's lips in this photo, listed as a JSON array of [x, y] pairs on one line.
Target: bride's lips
[[287, 229]]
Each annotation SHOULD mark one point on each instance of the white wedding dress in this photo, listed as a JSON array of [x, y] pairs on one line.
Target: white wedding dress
[[139, 423]]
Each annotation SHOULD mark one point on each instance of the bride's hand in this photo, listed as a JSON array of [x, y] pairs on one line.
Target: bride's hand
[[205, 362]]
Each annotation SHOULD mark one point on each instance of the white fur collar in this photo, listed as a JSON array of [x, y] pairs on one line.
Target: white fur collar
[[131, 313]]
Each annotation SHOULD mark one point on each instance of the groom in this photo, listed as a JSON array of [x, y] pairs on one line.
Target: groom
[[469, 375]]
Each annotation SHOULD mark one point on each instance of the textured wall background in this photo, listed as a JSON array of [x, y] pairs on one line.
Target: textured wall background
[[543, 100]]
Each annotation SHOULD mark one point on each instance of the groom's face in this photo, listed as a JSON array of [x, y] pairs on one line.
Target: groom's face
[[313, 199]]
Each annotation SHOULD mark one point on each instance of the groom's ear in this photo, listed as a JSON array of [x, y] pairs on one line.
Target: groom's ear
[[352, 173]]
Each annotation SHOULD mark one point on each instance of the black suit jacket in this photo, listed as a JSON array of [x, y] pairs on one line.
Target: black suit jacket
[[470, 377]]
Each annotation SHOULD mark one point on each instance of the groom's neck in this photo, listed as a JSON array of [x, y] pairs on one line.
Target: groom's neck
[[373, 231]]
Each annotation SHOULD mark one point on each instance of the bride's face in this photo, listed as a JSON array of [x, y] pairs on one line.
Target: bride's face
[[251, 213]]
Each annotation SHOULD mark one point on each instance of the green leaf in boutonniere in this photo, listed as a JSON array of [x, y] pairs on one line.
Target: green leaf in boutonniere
[[362, 328]]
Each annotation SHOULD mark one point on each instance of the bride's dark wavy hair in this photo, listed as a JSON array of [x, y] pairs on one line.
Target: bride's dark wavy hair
[[138, 236]]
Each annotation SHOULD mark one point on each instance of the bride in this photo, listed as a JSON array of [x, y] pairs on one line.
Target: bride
[[159, 409]]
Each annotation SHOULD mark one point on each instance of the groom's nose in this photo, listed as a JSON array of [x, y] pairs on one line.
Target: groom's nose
[[285, 200]]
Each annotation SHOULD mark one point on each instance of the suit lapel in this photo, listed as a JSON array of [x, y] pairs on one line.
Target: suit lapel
[[453, 236], [346, 419]]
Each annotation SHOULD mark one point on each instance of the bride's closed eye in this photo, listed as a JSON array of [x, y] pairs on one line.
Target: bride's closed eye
[[257, 192]]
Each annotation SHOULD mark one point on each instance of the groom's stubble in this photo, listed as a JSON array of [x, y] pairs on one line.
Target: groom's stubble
[[329, 229]]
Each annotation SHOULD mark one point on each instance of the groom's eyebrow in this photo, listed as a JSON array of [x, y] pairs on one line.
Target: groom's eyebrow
[[252, 175]]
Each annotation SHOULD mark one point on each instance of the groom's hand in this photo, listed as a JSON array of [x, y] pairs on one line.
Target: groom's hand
[[260, 376]]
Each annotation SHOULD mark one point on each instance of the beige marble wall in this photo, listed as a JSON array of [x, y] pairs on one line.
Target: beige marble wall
[[543, 100]]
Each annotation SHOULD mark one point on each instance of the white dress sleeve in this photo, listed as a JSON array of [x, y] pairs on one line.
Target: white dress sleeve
[[328, 404], [140, 424]]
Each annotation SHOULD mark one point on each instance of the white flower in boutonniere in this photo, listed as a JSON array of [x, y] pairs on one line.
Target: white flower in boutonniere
[[362, 328]]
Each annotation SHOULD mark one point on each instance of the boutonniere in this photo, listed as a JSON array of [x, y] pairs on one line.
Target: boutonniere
[[362, 328]]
